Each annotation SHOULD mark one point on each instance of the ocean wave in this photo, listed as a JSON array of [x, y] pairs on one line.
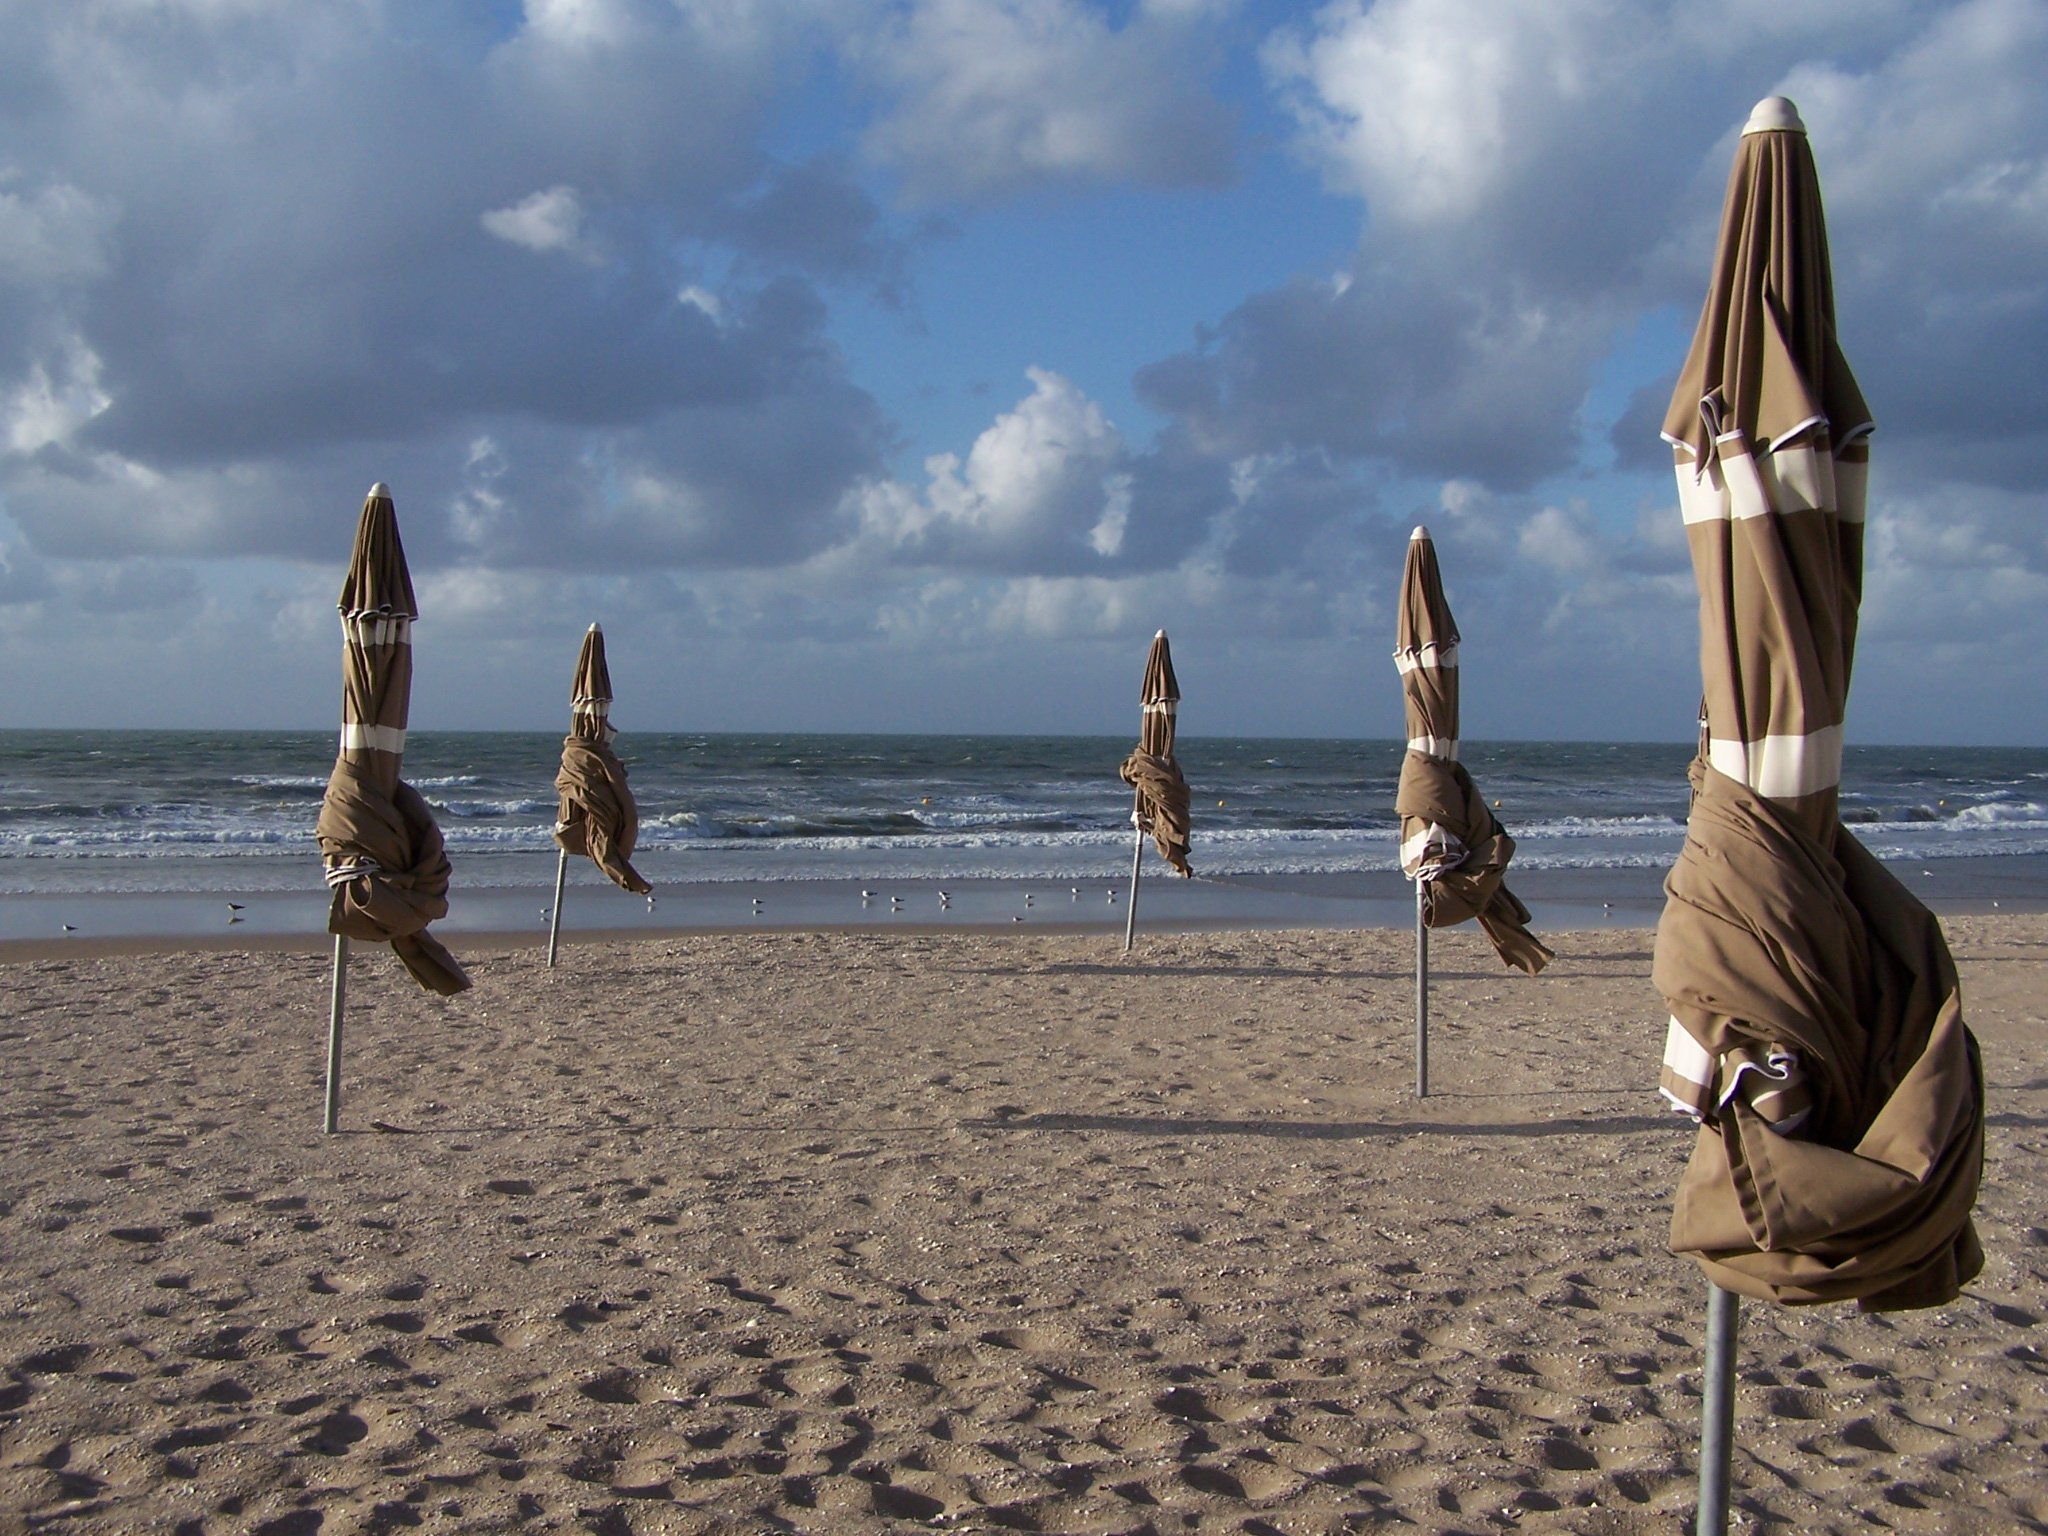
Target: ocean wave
[[483, 809], [145, 842], [1999, 813], [1887, 815], [1599, 826]]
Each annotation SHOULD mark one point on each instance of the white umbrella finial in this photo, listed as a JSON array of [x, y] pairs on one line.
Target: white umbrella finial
[[1774, 114], [1420, 533], [380, 489]]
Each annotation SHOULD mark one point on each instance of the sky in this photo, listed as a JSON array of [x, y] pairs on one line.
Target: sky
[[902, 365]]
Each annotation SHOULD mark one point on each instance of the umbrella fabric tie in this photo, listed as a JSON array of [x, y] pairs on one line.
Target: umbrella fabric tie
[[1774, 943], [349, 869], [1433, 852], [394, 873]]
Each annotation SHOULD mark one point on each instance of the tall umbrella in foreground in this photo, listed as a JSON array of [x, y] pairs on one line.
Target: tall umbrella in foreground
[[1816, 1030], [1451, 846], [386, 866], [597, 814], [1161, 803]]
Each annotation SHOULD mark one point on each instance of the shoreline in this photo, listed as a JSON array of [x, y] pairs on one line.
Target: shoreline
[[490, 918]]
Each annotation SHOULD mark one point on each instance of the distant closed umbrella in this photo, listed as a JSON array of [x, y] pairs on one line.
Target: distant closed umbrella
[[387, 869], [597, 814], [1161, 803], [1451, 842], [1816, 1029]]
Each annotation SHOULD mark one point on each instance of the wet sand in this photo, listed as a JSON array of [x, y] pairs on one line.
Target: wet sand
[[870, 1231]]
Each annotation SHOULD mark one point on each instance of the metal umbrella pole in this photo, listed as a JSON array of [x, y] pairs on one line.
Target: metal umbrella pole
[[555, 912], [1137, 858], [1717, 1412], [1421, 995], [334, 1014]]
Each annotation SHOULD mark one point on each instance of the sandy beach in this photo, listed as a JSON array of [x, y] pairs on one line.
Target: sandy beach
[[870, 1231]]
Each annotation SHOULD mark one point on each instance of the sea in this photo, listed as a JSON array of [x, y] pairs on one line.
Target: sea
[[159, 830]]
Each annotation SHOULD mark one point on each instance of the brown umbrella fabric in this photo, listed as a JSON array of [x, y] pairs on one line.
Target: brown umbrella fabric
[[1449, 839], [1816, 1027], [1162, 798], [1771, 438], [597, 814], [386, 865]]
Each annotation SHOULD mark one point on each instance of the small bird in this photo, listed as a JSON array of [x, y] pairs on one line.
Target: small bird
[[867, 895], [234, 906], [69, 928]]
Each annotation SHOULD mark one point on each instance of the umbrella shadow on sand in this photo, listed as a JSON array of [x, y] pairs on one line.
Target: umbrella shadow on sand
[[641, 1127], [1314, 1130], [1152, 970]]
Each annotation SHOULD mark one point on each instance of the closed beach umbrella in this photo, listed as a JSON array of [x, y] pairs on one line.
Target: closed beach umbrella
[[387, 869], [1451, 843], [386, 865], [597, 815], [1816, 1030], [1160, 808]]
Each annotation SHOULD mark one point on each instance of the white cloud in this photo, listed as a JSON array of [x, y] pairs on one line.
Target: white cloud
[[1106, 538], [1064, 608], [477, 602], [703, 300], [1935, 572], [581, 22], [1427, 109], [1042, 486], [1563, 539], [61, 393], [56, 234], [550, 220], [479, 511], [991, 96]]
